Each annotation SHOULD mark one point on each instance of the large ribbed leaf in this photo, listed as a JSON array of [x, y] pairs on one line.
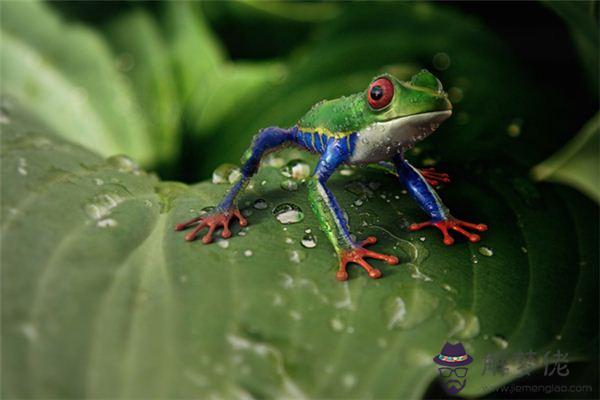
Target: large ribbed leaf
[[66, 74], [101, 298]]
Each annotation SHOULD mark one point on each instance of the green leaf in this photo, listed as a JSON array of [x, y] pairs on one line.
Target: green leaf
[[145, 59], [66, 74], [582, 19], [101, 298], [577, 163]]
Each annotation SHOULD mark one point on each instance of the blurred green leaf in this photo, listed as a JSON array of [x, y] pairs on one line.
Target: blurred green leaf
[[145, 59], [100, 298], [582, 19], [66, 74], [576, 164], [489, 89]]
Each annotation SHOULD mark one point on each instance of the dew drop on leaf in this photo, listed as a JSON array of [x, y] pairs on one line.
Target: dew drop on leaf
[[260, 204], [248, 253], [309, 241], [288, 213], [226, 173], [296, 256], [486, 251], [500, 341], [296, 169], [124, 164], [289, 185]]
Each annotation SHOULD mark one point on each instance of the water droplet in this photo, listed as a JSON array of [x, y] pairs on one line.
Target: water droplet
[[463, 325], [307, 230], [226, 173], [296, 169], [22, 167], [296, 256], [246, 212], [106, 223], [358, 202], [474, 259], [441, 61], [358, 188], [486, 251], [558, 337], [396, 310], [337, 325], [373, 185], [346, 171], [124, 164], [422, 238], [101, 205], [524, 249], [514, 128], [455, 94], [263, 183], [500, 341], [288, 213], [222, 243], [260, 204], [248, 253], [349, 381], [296, 316], [289, 185], [309, 241], [98, 181]]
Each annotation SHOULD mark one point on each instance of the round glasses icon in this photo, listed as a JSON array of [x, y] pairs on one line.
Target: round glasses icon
[[459, 372]]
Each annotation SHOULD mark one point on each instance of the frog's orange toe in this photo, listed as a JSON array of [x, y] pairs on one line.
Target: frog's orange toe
[[358, 254], [213, 221]]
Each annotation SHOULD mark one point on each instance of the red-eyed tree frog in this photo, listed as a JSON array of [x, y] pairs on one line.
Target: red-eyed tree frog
[[375, 126]]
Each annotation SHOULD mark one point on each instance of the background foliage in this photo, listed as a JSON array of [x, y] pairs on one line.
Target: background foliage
[[101, 298]]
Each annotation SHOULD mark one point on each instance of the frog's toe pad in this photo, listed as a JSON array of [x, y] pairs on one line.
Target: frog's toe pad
[[358, 254], [454, 224], [213, 221]]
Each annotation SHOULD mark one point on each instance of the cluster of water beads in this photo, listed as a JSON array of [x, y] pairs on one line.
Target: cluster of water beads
[[226, 173], [100, 207]]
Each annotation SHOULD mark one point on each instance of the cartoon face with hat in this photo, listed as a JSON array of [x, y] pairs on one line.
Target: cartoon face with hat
[[453, 360]]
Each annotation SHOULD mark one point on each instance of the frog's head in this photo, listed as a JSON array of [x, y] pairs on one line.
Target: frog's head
[[406, 112]]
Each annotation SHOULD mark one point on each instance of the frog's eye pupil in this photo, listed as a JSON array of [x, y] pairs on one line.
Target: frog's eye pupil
[[380, 93], [376, 92]]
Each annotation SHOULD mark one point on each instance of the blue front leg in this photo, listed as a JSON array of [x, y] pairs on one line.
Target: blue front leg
[[430, 202], [266, 140]]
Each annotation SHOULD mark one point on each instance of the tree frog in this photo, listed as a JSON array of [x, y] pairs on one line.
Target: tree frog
[[375, 126]]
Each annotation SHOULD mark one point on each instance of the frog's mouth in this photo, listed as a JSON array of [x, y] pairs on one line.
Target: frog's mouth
[[382, 140], [406, 131]]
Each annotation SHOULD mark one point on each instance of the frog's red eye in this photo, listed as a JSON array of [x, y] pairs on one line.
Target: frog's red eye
[[380, 93]]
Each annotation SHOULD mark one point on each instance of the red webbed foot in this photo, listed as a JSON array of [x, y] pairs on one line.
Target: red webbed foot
[[212, 220], [433, 177], [358, 254], [454, 224]]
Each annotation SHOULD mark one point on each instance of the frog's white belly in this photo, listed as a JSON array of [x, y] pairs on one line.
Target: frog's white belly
[[382, 140]]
